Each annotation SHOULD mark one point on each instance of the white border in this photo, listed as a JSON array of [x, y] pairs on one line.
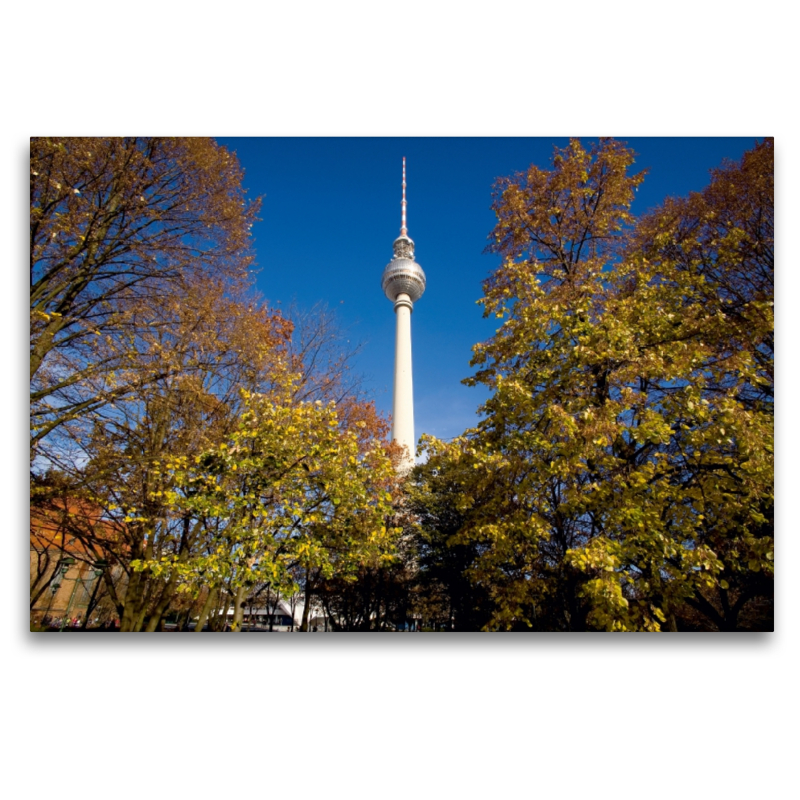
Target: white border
[[390, 717]]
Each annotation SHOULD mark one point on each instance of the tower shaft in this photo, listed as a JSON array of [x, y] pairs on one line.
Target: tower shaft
[[403, 399], [403, 282]]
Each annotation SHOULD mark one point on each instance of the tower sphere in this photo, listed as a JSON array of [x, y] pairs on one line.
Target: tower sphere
[[402, 274]]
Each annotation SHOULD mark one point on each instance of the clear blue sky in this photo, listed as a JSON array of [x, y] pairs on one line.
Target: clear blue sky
[[331, 210]]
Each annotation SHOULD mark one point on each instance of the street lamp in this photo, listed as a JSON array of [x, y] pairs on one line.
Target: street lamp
[[66, 563], [99, 568], [54, 587]]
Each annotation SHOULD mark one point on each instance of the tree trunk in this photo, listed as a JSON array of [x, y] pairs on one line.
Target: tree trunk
[[220, 616], [207, 606], [271, 610], [133, 603], [238, 609], [307, 599], [166, 598]]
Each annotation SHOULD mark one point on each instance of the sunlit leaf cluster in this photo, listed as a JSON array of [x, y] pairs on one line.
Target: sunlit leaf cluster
[[289, 486]]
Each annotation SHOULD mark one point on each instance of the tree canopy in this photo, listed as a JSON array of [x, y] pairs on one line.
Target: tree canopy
[[201, 443], [622, 478], [116, 225]]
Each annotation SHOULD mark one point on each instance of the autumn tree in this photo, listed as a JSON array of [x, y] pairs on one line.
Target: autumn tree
[[721, 241], [210, 346], [116, 223], [289, 489], [147, 347], [143, 330], [322, 355], [377, 598], [623, 471], [444, 590]]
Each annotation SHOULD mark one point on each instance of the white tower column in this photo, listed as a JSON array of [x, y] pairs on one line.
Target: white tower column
[[403, 282], [403, 400]]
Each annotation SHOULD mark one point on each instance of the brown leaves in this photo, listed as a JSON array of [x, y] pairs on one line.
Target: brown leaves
[[571, 214], [624, 463], [117, 224]]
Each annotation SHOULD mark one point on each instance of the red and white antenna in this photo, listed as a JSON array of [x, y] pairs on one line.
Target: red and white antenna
[[403, 228]]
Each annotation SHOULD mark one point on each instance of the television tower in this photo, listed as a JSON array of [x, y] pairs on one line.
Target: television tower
[[403, 283]]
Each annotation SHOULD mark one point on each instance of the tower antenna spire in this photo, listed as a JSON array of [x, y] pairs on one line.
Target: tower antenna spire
[[403, 228]]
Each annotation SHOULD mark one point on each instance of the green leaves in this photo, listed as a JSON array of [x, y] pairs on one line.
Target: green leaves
[[624, 462], [290, 487]]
